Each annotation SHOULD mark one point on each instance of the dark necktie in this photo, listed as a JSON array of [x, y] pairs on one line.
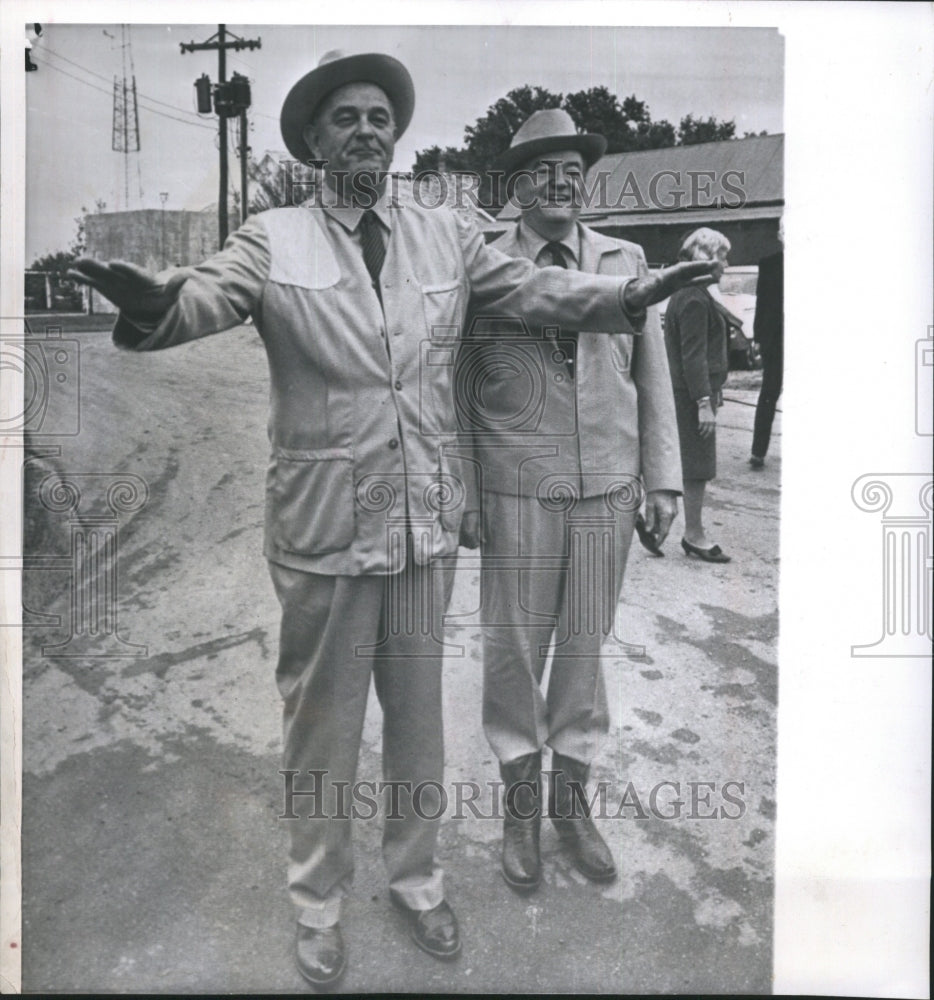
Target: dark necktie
[[553, 249], [374, 251]]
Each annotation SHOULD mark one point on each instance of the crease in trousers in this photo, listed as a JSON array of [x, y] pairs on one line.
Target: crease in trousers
[[337, 632], [549, 578]]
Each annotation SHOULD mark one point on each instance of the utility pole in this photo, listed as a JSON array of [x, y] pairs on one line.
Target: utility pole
[[163, 197], [222, 43], [244, 150]]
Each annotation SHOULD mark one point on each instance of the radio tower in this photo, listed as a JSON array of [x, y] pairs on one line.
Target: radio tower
[[125, 136]]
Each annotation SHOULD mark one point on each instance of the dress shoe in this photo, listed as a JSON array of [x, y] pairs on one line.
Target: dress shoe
[[522, 821], [756, 462], [571, 818], [434, 931], [320, 954], [714, 554], [648, 538]]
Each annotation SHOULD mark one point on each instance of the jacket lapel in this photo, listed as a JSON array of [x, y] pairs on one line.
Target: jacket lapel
[[595, 246]]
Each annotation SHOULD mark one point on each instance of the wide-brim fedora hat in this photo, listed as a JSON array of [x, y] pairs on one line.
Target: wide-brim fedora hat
[[548, 131], [334, 70]]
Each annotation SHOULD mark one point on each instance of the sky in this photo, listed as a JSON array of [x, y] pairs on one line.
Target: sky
[[458, 72]]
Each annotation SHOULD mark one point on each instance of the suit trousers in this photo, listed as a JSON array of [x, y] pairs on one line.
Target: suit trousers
[[772, 371], [550, 578], [336, 632]]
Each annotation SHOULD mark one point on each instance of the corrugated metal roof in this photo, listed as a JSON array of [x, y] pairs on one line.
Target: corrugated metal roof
[[722, 177]]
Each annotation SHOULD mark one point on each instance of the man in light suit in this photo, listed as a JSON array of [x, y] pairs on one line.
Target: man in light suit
[[355, 296], [565, 429]]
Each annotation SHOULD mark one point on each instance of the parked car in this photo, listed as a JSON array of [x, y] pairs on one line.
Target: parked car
[[736, 292]]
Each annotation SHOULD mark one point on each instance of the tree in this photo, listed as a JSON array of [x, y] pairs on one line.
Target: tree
[[627, 126], [493, 133], [487, 138], [694, 130], [449, 158], [58, 263], [270, 180]]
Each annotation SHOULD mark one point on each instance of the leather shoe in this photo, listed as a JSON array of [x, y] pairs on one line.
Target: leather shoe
[[571, 819], [714, 554], [320, 954], [435, 931], [522, 822], [648, 538]]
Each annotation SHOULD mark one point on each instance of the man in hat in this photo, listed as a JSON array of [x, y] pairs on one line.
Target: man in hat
[[566, 429], [356, 297]]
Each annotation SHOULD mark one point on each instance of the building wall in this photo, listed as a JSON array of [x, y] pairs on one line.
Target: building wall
[[189, 238]]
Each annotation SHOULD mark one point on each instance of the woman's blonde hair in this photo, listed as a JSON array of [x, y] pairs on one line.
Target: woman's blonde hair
[[709, 241]]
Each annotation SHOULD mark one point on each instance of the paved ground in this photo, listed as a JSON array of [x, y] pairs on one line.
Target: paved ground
[[153, 858]]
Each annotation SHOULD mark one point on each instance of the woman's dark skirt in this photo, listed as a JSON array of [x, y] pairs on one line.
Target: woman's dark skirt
[[698, 455]]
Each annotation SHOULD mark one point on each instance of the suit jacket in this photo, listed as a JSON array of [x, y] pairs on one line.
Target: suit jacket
[[696, 339], [361, 410], [532, 427], [768, 324]]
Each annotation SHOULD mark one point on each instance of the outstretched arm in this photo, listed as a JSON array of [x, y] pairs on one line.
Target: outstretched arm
[[654, 287], [602, 303], [133, 290], [176, 306]]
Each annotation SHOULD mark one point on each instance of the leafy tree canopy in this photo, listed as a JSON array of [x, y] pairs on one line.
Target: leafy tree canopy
[[627, 125]]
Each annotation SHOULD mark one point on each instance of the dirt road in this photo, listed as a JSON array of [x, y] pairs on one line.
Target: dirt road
[[153, 856]]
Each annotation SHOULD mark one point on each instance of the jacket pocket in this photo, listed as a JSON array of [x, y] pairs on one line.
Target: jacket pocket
[[622, 347], [444, 311], [312, 500]]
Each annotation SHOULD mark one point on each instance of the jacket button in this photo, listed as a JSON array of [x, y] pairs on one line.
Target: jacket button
[[393, 443], [398, 384]]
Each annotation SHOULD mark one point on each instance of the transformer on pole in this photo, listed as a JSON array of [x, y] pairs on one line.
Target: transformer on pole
[[231, 98]]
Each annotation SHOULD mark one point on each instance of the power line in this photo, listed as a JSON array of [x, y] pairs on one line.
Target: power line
[[154, 100], [229, 99], [140, 95], [109, 93]]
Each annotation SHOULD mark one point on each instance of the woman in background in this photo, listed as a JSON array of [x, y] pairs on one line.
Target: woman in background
[[696, 338]]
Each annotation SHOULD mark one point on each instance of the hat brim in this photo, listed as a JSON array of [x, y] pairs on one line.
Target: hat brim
[[590, 145], [302, 100]]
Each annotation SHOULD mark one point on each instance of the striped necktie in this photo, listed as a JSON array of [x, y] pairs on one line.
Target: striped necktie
[[554, 250], [374, 250]]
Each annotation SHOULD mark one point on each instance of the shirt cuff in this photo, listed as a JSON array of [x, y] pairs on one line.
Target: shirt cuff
[[130, 333], [637, 319]]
